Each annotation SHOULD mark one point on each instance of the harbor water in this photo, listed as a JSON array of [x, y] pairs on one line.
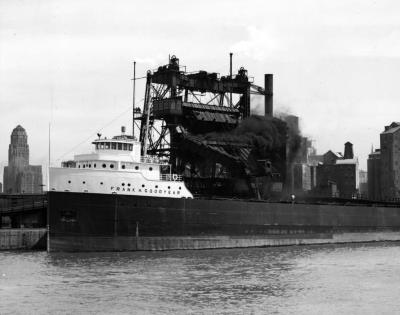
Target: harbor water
[[329, 279]]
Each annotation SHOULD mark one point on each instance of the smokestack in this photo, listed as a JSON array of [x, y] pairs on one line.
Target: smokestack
[[269, 106], [348, 150]]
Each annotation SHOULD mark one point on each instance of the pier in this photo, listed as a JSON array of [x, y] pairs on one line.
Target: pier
[[23, 220]]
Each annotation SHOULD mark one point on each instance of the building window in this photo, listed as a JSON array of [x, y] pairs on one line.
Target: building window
[[113, 146]]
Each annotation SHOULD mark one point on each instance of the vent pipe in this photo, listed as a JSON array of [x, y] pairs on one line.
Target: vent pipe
[[269, 106]]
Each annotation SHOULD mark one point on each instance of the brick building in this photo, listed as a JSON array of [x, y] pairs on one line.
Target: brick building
[[390, 162], [337, 175]]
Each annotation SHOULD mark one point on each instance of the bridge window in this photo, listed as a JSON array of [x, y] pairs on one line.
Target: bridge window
[[97, 146], [101, 145], [107, 145], [119, 146], [125, 146], [113, 146], [130, 147]]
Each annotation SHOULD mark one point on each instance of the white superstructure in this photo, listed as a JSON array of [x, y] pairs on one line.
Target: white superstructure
[[116, 167]]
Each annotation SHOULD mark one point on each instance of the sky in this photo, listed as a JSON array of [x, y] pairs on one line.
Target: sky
[[70, 63]]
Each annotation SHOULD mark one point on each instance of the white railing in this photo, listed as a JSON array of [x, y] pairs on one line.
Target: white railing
[[152, 159], [171, 177]]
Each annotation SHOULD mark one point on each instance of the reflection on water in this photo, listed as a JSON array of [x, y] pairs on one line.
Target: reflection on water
[[348, 279]]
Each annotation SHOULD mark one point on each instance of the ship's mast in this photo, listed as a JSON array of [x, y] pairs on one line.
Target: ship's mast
[[133, 100]]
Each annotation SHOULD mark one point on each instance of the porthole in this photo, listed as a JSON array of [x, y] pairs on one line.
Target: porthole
[[84, 166], [156, 186], [136, 167], [143, 185], [111, 165], [90, 165], [101, 183], [169, 187], [150, 168], [83, 182], [129, 185], [180, 187], [123, 184], [69, 182], [94, 165], [104, 166], [123, 167], [79, 166]]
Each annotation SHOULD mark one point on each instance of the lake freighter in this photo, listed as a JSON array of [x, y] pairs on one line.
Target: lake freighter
[[178, 187]]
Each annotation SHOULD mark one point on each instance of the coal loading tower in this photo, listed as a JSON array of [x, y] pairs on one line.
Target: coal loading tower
[[201, 123]]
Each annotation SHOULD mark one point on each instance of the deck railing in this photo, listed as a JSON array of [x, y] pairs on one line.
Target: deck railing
[[171, 177]]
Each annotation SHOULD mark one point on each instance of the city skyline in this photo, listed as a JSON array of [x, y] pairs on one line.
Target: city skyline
[[334, 65]]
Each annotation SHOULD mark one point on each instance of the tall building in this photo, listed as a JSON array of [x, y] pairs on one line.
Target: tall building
[[19, 176], [374, 175], [390, 162]]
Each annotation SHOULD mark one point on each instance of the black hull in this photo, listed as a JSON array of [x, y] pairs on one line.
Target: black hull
[[100, 222]]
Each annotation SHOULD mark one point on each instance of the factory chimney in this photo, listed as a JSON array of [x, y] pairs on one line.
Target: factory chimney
[[269, 106], [348, 150]]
